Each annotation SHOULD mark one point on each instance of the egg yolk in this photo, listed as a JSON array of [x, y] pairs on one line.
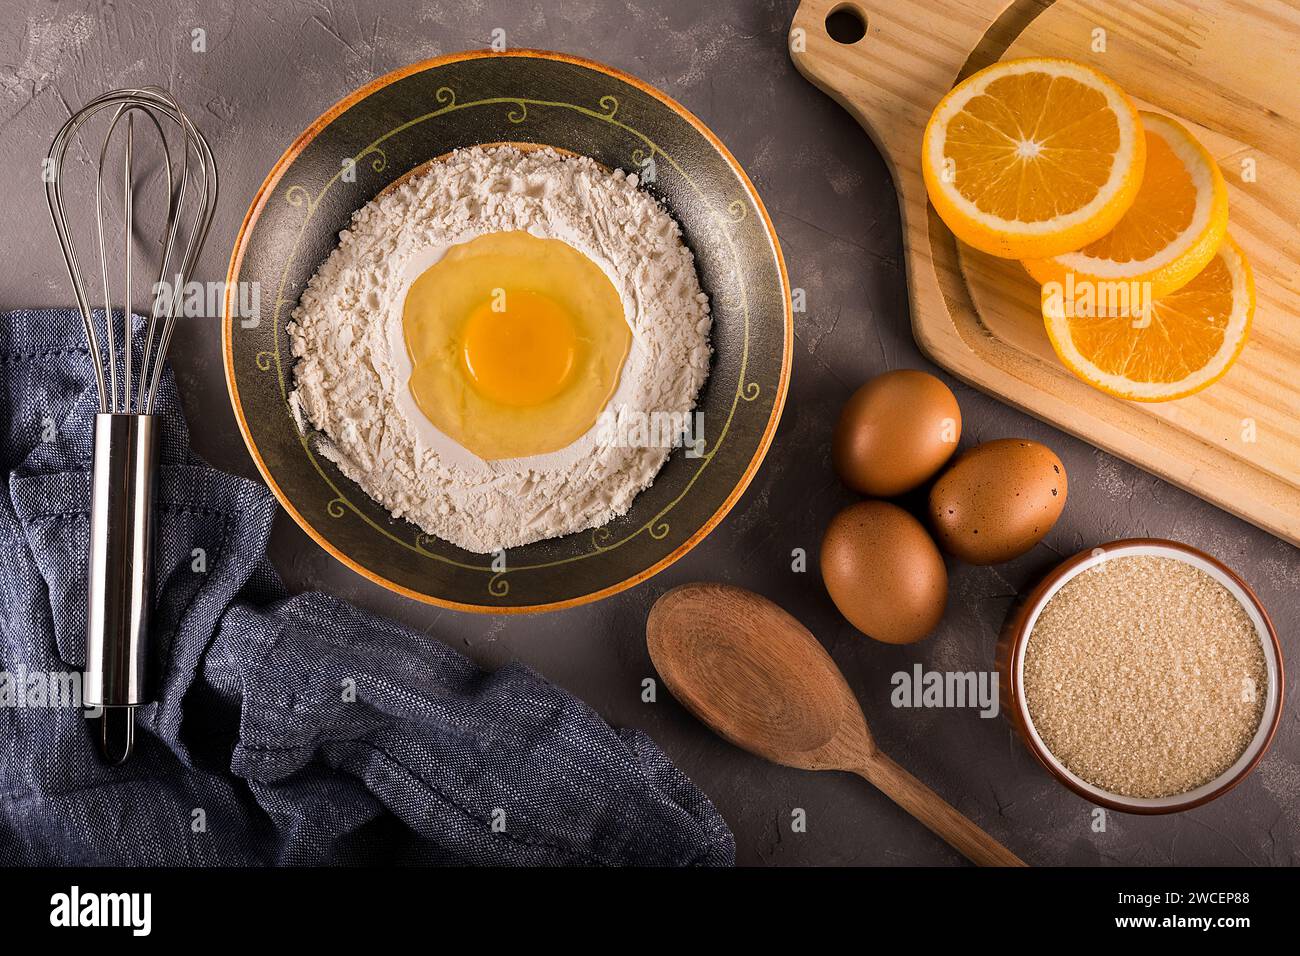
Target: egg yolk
[[516, 344], [523, 353]]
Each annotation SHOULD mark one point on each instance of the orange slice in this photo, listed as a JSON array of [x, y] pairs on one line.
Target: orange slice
[[1172, 230], [1029, 159], [1179, 345]]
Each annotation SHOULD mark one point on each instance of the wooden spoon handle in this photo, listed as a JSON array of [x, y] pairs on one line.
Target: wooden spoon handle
[[932, 810]]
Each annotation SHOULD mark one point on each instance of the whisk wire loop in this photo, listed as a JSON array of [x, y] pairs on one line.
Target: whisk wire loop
[[135, 390]]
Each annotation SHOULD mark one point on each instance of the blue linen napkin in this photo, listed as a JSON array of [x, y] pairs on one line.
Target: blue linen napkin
[[256, 750]]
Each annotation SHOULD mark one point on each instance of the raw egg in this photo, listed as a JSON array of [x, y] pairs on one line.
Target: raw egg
[[516, 344], [895, 432], [883, 572], [998, 500]]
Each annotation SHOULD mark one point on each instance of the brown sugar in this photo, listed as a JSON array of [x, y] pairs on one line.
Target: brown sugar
[[1145, 676]]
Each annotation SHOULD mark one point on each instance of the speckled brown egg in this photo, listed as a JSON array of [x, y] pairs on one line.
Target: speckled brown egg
[[895, 432], [997, 500], [884, 572]]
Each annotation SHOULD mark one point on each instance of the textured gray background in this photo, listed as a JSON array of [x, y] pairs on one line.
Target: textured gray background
[[271, 68]]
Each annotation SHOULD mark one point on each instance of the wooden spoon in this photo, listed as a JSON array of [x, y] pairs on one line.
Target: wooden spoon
[[760, 679]]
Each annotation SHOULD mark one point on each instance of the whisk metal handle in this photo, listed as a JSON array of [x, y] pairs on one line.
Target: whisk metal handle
[[121, 562]]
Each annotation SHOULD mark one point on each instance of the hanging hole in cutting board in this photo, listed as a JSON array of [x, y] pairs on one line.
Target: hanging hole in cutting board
[[846, 24]]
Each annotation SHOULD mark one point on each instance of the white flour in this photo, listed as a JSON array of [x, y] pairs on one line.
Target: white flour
[[352, 367]]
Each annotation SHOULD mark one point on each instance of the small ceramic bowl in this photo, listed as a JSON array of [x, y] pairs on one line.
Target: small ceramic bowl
[[1011, 659]]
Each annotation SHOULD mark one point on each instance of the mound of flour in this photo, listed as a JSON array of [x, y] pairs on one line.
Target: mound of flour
[[351, 370]]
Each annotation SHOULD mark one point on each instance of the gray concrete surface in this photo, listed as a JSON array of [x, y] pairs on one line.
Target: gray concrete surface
[[271, 67]]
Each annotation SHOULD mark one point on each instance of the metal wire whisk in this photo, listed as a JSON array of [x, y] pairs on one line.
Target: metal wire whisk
[[126, 429]]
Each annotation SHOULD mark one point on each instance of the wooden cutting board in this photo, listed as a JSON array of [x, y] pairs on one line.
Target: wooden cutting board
[[1226, 69]]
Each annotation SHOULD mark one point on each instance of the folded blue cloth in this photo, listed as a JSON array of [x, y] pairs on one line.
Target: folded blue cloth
[[257, 751]]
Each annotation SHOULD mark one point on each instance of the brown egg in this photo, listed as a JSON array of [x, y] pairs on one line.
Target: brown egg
[[997, 500], [883, 572], [895, 432]]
